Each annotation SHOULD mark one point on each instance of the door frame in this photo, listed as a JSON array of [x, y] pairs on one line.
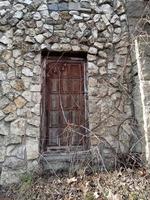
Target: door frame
[[44, 126]]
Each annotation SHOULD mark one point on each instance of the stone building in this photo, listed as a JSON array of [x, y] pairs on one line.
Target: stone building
[[72, 83]]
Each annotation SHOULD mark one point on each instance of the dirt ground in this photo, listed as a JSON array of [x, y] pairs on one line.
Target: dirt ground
[[116, 185]]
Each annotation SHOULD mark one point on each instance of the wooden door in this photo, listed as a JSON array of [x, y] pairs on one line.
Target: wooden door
[[65, 82]]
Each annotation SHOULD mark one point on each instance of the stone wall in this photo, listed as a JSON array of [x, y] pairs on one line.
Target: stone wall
[[98, 28], [139, 29], [143, 63]]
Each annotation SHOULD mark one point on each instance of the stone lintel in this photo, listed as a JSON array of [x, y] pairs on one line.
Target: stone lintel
[[67, 7]]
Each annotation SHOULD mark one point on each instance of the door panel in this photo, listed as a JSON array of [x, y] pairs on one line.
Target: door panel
[[54, 102], [65, 103]]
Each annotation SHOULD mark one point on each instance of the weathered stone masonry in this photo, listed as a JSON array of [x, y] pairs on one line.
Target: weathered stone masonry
[[139, 29], [98, 28]]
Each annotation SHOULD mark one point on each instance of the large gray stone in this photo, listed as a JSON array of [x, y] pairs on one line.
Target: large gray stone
[[4, 129], [27, 72], [13, 139], [17, 151], [9, 176], [32, 148], [2, 115], [18, 127], [2, 153], [32, 131], [4, 4]]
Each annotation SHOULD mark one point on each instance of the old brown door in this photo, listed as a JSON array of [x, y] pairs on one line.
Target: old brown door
[[66, 110]]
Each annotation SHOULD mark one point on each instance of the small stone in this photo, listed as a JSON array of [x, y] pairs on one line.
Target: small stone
[[35, 88], [101, 62], [39, 38], [16, 53], [39, 24], [2, 153], [101, 26], [77, 17], [37, 70], [119, 7], [96, 17], [55, 15], [27, 95], [26, 1], [6, 55], [18, 127], [10, 108], [111, 66], [92, 50], [32, 148], [123, 17], [4, 130], [32, 131], [29, 39], [116, 38], [105, 20], [35, 121], [9, 33], [66, 47], [37, 16], [27, 72], [92, 82], [11, 75], [117, 30], [18, 14], [19, 61], [4, 101], [107, 9], [73, 12], [99, 45], [44, 14], [6, 87], [36, 97], [42, 7], [108, 45], [56, 47], [54, 6], [11, 117], [50, 28], [26, 81], [18, 7], [82, 27], [2, 47], [2, 76], [2, 12], [84, 48], [33, 166], [3, 66], [36, 109], [2, 115], [4, 4], [19, 32], [102, 54], [76, 48], [92, 68], [17, 84], [114, 19], [91, 57], [20, 102], [11, 62], [102, 70]]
